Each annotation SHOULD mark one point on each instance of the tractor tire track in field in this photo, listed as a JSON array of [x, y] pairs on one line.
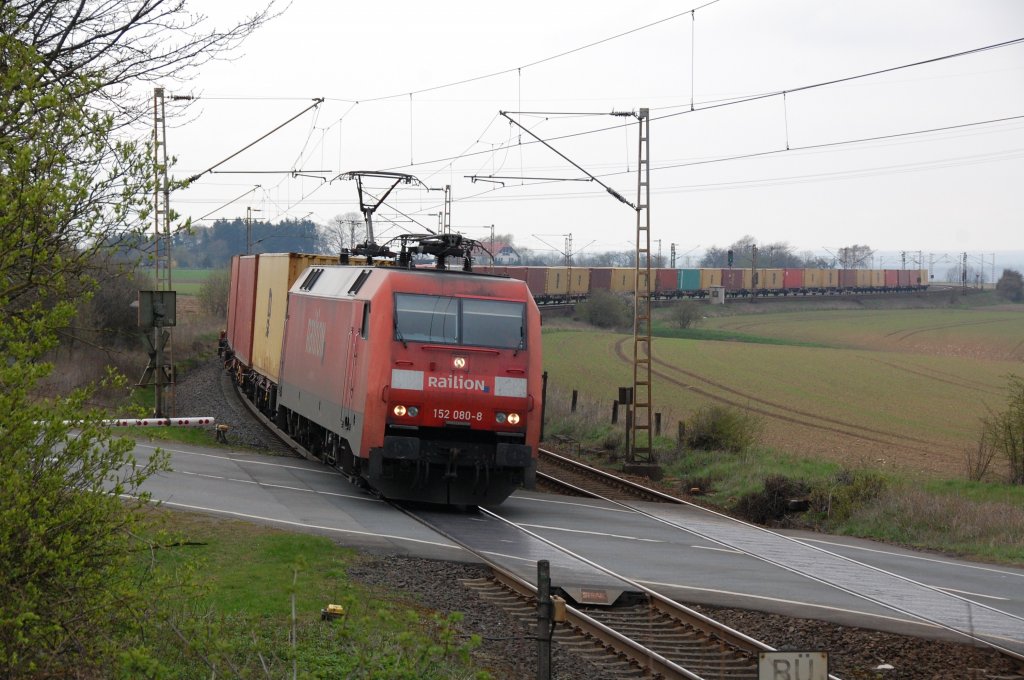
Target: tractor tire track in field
[[765, 322], [1017, 348], [777, 416], [934, 375], [909, 333]]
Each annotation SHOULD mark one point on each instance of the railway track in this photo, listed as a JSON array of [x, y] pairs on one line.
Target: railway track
[[240, 407], [563, 475], [633, 633], [637, 639], [581, 480], [630, 641], [646, 635], [568, 308]]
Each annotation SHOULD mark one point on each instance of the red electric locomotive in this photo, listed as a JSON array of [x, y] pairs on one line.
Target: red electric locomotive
[[424, 383]]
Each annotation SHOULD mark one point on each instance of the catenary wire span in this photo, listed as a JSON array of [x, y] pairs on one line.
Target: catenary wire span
[[710, 105], [731, 102]]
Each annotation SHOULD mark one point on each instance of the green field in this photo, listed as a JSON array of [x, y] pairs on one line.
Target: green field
[[189, 281], [891, 388], [974, 333]]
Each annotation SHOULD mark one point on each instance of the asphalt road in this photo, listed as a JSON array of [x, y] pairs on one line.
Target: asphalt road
[[713, 561]]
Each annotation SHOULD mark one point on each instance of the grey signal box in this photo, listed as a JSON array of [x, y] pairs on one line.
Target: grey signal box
[[157, 308]]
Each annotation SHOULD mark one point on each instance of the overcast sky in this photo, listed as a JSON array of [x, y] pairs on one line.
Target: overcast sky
[[861, 166]]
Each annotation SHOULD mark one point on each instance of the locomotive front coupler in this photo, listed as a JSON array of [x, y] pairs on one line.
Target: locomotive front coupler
[[451, 466]]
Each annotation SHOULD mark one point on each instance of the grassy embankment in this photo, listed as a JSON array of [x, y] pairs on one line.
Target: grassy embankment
[[258, 611], [875, 409]]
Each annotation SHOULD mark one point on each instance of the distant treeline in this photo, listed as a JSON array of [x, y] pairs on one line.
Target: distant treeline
[[213, 247]]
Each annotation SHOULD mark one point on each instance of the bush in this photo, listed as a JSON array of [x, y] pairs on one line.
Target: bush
[[605, 310], [686, 313], [847, 493], [1003, 431], [772, 503], [1011, 286], [213, 294], [108, 317], [720, 428]]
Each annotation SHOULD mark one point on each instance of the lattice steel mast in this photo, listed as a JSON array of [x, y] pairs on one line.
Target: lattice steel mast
[[641, 432], [163, 373], [161, 194], [641, 435]]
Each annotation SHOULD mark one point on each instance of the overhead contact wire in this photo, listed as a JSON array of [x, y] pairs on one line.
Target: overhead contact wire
[[539, 61], [757, 97]]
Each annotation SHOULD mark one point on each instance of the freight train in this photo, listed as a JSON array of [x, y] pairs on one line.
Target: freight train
[[424, 384], [556, 285]]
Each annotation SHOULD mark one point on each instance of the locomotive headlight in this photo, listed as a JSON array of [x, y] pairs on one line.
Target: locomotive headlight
[[413, 411], [513, 418], [500, 417], [459, 362], [399, 410]]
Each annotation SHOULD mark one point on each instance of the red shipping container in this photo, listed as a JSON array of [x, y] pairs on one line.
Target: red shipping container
[[240, 313], [732, 279], [232, 292], [536, 280], [497, 269], [907, 277], [517, 272], [793, 279], [847, 278], [892, 278], [601, 278], [666, 280]]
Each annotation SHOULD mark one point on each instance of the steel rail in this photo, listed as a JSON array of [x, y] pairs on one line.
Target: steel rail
[[607, 477], [623, 644], [675, 609], [967, 634]]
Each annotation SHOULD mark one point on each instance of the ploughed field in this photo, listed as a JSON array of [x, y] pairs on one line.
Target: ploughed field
[[883, 388]]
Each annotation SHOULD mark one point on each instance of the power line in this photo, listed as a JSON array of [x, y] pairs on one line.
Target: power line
[[825, 145], [846, 174], [741, 100], [718, 104], [316, 102], [220, 207], [969, 160], [518, 69]]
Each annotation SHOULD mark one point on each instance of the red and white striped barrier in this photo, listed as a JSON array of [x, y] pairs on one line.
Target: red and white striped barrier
[[160, 422]]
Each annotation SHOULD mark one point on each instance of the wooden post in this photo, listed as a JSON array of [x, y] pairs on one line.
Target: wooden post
[[615, 412], [575, 395], [543, 620], [657, 424]]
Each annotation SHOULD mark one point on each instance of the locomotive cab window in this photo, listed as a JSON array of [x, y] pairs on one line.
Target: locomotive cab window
[[493, 323], [459, 321], [426, 318]]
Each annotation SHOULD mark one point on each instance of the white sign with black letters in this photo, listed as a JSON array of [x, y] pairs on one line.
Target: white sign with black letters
[[792, 666]]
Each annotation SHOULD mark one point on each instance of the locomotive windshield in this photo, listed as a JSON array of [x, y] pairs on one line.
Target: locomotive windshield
[[459, 321]]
